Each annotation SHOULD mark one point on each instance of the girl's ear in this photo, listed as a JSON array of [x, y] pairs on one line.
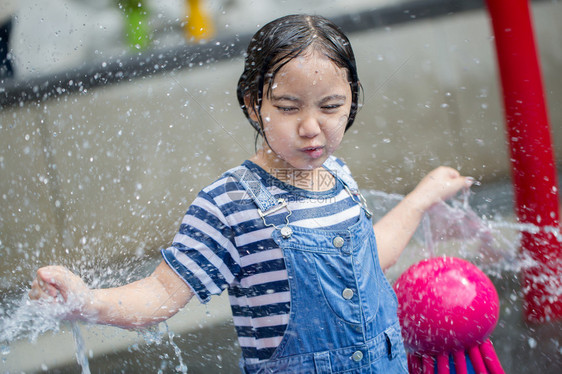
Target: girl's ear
[[251, 109]]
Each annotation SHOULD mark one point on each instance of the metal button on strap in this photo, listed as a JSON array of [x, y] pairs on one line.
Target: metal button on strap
[[338, 242], [347, 293], [286, 232], [357, 356]]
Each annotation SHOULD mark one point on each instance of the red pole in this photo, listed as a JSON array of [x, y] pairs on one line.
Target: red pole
[[532, 158]]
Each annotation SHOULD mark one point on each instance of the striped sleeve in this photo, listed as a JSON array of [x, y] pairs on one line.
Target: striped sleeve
[[203, 252]]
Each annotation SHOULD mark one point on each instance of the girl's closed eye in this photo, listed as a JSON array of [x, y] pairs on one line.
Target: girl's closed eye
[[332, 107], [332, 103], [286, 109], [286, 103]]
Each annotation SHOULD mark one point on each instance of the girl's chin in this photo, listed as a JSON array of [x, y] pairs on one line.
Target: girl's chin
[[310, 164], [300, 163]]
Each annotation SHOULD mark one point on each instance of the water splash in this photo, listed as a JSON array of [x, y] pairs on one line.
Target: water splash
[[156, 334], [454, 228], [28, 319]]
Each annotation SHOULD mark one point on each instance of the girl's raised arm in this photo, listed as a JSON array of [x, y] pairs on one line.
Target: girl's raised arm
[[138, 304], [396, 228]]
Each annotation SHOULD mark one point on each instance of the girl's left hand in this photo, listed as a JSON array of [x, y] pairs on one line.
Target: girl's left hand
[[395, 229], [439, 185], [60, 285]]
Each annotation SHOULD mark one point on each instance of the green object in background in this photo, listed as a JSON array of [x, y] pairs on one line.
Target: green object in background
[[136, 23]]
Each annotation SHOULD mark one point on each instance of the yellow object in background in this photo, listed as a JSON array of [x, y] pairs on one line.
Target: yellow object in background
[[198, 25]]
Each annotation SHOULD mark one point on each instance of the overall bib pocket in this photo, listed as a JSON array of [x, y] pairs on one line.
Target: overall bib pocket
[[340, 276]]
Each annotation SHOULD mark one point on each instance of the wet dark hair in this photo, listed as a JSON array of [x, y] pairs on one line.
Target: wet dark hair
[[280, 41]]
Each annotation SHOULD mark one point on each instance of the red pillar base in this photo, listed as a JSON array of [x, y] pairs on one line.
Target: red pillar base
[[541, 277]]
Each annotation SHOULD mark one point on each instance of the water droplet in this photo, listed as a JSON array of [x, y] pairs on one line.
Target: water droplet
[[5, 350]]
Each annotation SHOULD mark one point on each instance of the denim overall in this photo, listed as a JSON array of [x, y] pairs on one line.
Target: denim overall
[[343, 310]]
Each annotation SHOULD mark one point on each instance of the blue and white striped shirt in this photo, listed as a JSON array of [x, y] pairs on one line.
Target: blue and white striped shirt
[[223, 243]]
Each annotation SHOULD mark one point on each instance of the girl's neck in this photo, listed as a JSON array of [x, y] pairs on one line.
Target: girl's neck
[[318, 179]]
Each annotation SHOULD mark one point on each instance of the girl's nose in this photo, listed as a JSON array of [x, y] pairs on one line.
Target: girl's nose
[[309, 126]]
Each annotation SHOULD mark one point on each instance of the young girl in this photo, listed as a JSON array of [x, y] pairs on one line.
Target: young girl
[[287, 233]]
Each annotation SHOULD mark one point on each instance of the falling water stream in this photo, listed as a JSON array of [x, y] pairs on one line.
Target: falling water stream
[[81, 355]]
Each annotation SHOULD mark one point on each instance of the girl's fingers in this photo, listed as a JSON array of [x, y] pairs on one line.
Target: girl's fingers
[[35, 292], [47, 277], [42, 290], [50, 282], [49, 289], [441, 184]]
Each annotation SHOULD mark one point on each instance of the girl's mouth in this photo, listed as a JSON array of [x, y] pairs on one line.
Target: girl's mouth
[[314, 152]]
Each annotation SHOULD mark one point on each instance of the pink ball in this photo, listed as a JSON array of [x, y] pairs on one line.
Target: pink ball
[[445, 304]]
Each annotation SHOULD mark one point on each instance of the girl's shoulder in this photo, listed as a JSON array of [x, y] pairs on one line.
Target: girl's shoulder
[[223, 188], [226, 193]]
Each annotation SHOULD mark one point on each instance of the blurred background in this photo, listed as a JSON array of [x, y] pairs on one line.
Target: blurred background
[[115, 113]]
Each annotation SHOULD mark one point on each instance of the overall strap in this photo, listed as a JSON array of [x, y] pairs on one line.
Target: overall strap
[[349, 183], [266, 202], [255, 188], [339, 172]]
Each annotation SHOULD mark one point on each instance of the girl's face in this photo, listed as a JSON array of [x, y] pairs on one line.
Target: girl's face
[[305, 115]]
